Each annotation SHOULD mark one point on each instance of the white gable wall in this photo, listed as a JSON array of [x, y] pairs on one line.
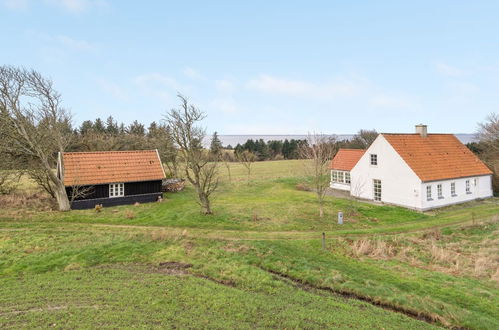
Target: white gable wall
[[399, 184], [483, 189]]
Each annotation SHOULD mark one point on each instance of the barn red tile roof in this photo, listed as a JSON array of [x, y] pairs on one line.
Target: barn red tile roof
[[88, 168], [437, 156], [346, 159]]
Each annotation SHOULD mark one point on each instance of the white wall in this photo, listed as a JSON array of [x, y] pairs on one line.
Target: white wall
[[399, 184], [483, 189]]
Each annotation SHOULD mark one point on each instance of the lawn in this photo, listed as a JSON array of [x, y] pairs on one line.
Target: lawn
[[257, 262]]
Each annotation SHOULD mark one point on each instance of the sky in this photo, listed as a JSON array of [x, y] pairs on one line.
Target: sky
[[265, 67]]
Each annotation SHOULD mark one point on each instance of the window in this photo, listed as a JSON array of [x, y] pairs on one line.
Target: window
[[428, 193], [377, 189], [439, 191], [374, 159], [116, 190], [475, 182], [334, 176], [340, 177], [468, 187], [347, 177], [453, 189]]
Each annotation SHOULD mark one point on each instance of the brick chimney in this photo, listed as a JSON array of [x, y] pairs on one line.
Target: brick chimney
[[422, 130]]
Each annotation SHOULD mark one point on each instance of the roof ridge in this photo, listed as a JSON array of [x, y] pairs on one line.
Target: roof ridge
[[108, 151], [417, 134]]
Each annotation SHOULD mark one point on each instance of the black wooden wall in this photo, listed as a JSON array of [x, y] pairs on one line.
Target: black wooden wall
[[131, 188]]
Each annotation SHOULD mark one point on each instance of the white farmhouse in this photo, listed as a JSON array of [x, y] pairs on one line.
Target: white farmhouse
[[419, 171]]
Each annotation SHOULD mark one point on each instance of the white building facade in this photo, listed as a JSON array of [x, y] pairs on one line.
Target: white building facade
[[418, 171]]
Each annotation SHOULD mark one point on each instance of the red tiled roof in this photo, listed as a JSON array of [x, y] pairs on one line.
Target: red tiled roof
[[88, 168], [437, 156], [346, 159]]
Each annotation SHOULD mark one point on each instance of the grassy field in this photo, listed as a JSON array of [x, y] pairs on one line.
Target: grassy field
[[257, 262]]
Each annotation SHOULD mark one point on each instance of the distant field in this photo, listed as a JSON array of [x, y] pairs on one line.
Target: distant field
[[257, 262]]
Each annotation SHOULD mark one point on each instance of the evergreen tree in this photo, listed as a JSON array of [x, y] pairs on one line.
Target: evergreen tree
[[86, 127], [99, 126], [136, 128], [111, 126], [216, 145]]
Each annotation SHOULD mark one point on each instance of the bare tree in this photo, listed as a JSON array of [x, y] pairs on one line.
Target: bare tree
[[246, 158], [364, 138], [489, 140], [34, 125], [227, 159], [319, 151], [201, 173], [78, 190], [489, 132]]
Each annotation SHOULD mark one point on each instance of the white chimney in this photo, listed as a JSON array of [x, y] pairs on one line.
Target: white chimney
[[422, 130]]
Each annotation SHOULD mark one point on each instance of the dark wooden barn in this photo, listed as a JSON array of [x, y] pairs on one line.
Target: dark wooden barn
[[111, 177]]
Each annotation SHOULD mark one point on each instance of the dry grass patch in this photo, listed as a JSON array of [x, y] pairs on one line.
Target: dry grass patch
[[468, 251]]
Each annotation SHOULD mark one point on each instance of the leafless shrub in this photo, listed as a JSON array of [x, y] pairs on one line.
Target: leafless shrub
[[39, 201], [435, 234], [129, 214], [246, 158], [8, 182], [302, 187]]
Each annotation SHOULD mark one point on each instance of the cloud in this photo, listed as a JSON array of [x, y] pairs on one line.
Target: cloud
[[389, 101], [72, 6], [77, 6], [74, 44], [275, 85], [15, 4], [113, 89], [193, 74], [161, 86], [225, 86], [157, 79], [448, 70], [226, 105]]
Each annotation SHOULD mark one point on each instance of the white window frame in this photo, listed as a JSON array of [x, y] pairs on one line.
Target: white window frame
[[347, 178], [334, 176], [374, 159], [377, 190], [468, 186], [440, 194], [116, 190], [341, 177], [453, 189], [428, 193]]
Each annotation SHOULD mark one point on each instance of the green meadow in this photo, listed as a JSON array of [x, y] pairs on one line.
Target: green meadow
[[257, 262]]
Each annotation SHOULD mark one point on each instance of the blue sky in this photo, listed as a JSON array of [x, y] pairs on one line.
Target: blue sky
[[266, 67]]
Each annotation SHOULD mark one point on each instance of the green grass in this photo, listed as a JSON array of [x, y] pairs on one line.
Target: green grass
[[88, 269]]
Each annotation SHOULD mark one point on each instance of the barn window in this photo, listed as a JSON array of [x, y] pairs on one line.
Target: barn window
[[468, 187], [453, 189], [347, 177], [374, 159], [334, 176], [116, 190]]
